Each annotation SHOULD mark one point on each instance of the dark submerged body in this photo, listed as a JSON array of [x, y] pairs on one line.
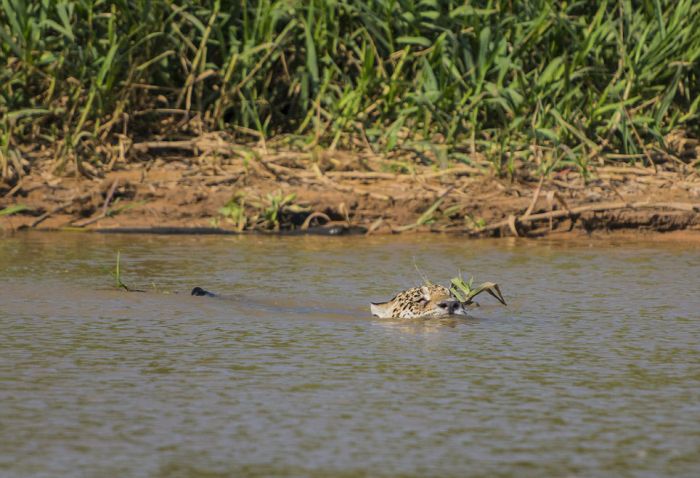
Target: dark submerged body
[[199, 292]]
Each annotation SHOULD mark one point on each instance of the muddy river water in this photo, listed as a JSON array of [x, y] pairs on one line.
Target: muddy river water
[[592, 370]]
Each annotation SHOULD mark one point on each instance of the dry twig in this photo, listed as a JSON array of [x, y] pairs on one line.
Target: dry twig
[[597, 207], [59, 208], [105, 206]]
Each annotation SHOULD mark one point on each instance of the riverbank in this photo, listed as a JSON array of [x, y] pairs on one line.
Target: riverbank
[[208, 183], [391, 118]]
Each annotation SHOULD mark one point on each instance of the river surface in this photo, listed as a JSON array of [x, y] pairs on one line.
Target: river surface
[[593, 369]]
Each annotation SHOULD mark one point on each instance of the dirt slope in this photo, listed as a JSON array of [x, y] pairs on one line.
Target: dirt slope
[[177, 186]]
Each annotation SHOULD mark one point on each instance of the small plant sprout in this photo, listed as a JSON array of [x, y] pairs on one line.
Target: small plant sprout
[[118, 275], [234, 211], [465, 291]]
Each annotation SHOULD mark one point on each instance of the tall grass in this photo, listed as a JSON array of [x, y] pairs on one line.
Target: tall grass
[[554, 83]]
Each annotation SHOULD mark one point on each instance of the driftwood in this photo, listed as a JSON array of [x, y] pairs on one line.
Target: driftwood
[[512, 221]]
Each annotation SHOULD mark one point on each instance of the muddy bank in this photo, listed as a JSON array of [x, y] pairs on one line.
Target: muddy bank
[[187, 185]]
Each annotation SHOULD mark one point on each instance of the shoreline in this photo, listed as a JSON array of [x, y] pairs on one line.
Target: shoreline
[[679, 235], [242, 189]]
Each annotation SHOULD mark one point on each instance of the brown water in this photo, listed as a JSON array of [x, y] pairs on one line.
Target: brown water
[[592, 370]]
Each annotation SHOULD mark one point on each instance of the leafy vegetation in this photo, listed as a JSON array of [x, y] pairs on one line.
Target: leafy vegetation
[[547, 82], [274, 211], [465, 291]]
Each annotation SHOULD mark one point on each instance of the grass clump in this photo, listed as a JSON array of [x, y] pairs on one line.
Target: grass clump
[[537, 82], [273, 212]]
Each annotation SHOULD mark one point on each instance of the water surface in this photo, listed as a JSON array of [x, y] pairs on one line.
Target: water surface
[[592, 370]]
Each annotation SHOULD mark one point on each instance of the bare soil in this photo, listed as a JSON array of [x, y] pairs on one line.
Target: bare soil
[[183, 185]]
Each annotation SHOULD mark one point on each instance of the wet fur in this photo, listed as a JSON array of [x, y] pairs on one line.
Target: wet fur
[[418, 302]]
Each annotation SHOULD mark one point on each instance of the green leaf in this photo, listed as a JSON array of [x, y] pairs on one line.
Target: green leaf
[[106, 65], [548, 134], [60, 29], [62, 9], [468, 11], [464, 292], [311, 60], [428, 214], [552, 72], [14, 209], [8, 39], [412, 40], [15, 115]]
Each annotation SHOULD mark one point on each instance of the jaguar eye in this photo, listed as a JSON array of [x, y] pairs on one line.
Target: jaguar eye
[[443, 305]]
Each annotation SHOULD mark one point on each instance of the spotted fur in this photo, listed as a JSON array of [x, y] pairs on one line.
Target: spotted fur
[[430, 301]]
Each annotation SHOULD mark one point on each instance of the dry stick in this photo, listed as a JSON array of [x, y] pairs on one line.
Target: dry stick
[[273, 169], [512, 226], [675, 158], [626, 170], [278, 169], [535, 197], [201, 143], [328, 182], [563, 202], [312, 216], [226, 179], [615, 191], [187, 145], [105, 206], [361, 175], [15, 189], [214, 180], [456, 171], [597, 207], [550, 202], [374, 226], [59, 208]]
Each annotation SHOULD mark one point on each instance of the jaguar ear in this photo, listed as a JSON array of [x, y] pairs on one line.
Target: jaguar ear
[[426, 292], [380, 309]]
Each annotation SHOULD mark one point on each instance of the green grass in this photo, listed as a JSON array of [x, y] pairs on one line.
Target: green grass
[[541, 82], [118, 283], [274, 212], [10, 210]]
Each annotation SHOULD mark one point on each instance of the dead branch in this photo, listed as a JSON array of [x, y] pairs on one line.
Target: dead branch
[[361, 175], [597, 207], [312, 216], [59, 208], [535, 197], [105, 206], [327, 181]]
